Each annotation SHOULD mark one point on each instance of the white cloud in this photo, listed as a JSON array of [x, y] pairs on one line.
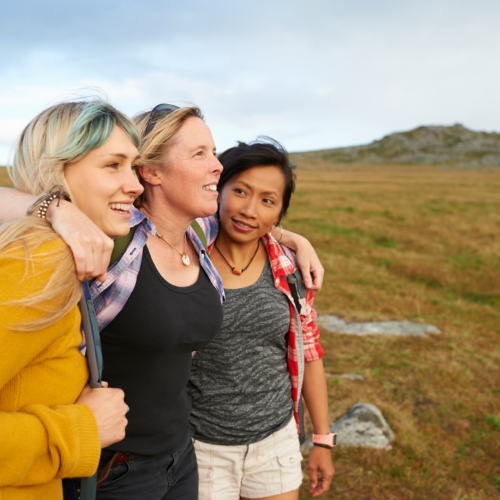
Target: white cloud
[[10, 130], [315, 74]]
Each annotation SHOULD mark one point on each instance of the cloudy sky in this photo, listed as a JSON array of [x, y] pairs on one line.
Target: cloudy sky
[[313, 74]]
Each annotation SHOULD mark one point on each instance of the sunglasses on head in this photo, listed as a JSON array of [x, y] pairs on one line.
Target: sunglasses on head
[[159, 111]]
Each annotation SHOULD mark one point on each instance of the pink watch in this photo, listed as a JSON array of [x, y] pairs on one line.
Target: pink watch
[[324, 440]]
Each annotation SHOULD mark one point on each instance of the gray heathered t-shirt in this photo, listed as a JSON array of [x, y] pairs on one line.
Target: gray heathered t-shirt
[[240, 384]]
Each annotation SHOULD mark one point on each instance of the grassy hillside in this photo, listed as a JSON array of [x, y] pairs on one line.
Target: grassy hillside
[[421, 244], [429, 145], [4, 177]]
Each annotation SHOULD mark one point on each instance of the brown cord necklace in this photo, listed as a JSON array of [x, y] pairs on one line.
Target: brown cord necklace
[[236, 270]]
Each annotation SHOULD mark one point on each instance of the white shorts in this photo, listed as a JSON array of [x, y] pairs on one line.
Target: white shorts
[[269, 467]]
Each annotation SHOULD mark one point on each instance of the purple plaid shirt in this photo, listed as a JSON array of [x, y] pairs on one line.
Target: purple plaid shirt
[[110, 297]]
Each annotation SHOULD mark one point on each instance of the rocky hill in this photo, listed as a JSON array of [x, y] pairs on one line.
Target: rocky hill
[[427, 145]]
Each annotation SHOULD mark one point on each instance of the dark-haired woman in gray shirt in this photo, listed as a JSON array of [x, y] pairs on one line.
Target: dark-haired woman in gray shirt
[[245, 385]]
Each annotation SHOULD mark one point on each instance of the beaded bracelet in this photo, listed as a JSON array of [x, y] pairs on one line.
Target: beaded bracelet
[[43, 201]]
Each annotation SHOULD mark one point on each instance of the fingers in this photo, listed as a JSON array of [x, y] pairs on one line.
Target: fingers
[[317, 276], [102, 257], [104, 384], [85, 266], [97, 249], [307, 278], [92, 253], [79, 258], [324, 482], [313, 477], [311, 268], [321, 471], [91, 248]]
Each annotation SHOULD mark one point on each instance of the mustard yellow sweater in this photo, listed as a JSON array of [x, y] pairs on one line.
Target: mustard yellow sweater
[[43, 436]]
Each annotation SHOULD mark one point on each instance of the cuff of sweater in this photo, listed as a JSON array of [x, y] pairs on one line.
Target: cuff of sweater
[[87, 446]]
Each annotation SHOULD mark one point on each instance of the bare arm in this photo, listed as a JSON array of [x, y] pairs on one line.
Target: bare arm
[[307, 259], [315, 394], [90, 246], [14, 203]]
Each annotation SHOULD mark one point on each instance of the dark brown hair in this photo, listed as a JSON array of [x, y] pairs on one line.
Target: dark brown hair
[[262, 152]]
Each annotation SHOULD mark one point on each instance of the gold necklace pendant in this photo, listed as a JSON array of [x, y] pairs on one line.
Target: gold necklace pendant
[[184, 256]]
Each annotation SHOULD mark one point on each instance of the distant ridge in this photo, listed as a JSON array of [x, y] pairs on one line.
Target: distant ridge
[[426, 145]]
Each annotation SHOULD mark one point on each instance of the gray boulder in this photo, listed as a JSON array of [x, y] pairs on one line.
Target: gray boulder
[[363, 425], [404, 328], [352, 376]]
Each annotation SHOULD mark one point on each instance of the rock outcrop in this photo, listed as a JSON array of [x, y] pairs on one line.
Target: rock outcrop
[[427, 145], [404, 328], [351, 376]]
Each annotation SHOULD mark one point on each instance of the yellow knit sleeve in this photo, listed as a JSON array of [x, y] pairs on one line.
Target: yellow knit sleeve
[[42, 443], [43, 435]]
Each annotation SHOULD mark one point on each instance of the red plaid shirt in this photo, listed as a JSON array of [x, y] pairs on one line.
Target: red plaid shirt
[[311, 350]]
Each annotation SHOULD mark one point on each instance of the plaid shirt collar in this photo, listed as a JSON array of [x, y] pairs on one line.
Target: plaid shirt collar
[[110, 297]]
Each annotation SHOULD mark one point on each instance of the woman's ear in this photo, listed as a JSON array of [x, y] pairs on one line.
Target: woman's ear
[[150, 175]]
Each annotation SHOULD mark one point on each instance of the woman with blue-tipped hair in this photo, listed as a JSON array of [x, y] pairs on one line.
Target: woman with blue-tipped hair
[[52, 425]]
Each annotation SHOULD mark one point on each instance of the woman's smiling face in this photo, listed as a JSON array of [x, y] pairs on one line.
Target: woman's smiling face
[[250, 203], [104, 184], [190, 173]]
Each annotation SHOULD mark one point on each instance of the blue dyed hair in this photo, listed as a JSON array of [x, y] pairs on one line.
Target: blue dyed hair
[[63, 134], [92, 128]]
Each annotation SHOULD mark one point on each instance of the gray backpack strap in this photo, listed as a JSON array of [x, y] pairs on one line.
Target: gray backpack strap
[[296, 285], [302, 430], [94, 360], [298, 291], [92, 338]]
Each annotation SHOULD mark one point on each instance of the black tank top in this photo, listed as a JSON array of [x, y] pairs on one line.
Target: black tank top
[[147, 351]]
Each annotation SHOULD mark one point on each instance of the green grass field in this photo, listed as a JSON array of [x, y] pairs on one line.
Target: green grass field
[[4, 177], [418, 244]]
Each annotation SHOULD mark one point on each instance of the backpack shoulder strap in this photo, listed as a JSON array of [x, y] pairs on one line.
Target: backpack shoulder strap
[[298, 292], [195, 226], [92, 339], [294, 280], [121, 245], [94, 360]]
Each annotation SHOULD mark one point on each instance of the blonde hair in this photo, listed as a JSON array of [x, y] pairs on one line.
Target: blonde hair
[[154, 145], [60, 135], [59, 294], [63, 134]]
